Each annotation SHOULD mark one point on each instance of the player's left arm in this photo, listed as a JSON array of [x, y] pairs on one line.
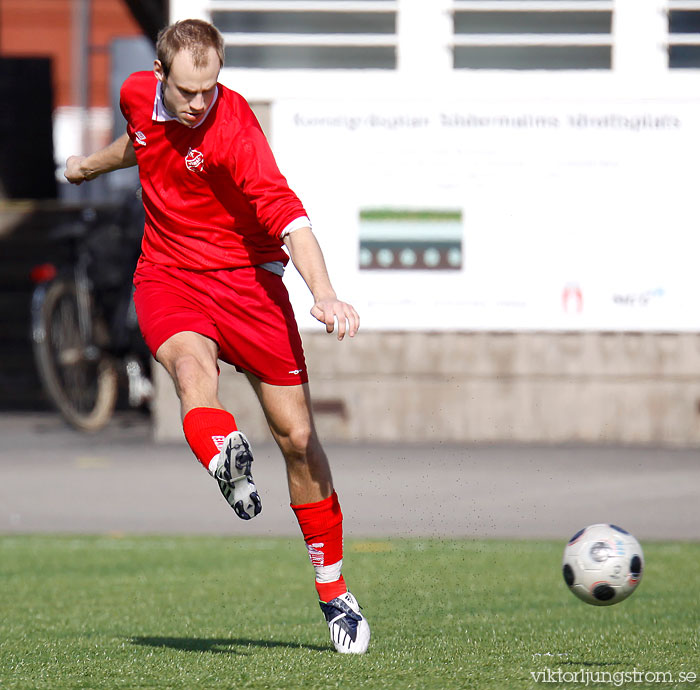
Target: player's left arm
[[308, 258]]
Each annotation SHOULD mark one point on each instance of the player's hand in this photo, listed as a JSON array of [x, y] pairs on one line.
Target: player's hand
[[73, 172], [329, 310]]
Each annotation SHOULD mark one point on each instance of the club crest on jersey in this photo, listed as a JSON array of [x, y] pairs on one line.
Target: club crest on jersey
[[140, 138], [194, 160]]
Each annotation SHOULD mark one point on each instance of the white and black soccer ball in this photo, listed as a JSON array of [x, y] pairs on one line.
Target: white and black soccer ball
[[602, 564]]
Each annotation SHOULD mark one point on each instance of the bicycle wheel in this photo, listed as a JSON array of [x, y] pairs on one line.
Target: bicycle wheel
[[78, 378]]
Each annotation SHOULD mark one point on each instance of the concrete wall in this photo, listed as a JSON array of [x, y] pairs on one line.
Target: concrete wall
[[486, 387]]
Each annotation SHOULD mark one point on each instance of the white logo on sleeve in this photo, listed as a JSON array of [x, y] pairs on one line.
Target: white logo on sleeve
[[140, 138], [195, 160]]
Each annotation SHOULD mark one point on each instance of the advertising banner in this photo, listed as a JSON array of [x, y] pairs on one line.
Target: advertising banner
[[498, 215]]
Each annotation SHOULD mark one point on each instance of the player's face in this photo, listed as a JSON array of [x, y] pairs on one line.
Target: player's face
[[188, 91]]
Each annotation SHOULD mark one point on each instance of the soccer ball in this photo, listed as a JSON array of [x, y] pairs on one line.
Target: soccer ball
[[602, 564]]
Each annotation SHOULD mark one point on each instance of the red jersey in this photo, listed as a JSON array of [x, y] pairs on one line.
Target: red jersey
[[213, 195]]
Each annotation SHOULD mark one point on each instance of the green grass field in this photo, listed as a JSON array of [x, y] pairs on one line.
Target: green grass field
[[193, 612]]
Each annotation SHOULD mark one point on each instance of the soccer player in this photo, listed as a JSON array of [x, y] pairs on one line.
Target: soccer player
[[208, 286]]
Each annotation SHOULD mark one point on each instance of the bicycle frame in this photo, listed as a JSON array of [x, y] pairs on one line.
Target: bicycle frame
[[82, 291], [83, 323], [80, 278]]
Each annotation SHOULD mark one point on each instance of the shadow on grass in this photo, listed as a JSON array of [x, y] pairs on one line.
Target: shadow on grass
[[573, 662], [219, 645]]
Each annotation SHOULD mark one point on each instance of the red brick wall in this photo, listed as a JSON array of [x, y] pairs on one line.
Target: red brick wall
[[41, 28]]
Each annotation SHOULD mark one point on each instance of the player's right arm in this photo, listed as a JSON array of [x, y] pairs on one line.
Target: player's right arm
[[119, 154]]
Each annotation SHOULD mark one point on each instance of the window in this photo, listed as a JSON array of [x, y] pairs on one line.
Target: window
[[308, 34], [527, 35], [684, 35]]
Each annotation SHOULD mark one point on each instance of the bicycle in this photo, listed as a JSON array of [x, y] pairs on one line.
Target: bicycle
[[84, 332]]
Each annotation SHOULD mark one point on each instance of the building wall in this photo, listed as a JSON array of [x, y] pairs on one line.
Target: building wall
[[617, 388], [466, 387], [44, 28]]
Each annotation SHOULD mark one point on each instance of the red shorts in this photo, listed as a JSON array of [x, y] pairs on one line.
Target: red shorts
[[246, 311]]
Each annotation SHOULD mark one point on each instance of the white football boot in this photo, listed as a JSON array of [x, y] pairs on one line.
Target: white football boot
[[234, 477], [348, 627]]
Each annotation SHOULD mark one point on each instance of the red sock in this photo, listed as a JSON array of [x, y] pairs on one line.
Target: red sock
[[322, 526], [205, 430]]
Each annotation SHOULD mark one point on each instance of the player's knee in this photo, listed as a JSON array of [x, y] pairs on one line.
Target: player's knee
[[297, 442], [191, 374]]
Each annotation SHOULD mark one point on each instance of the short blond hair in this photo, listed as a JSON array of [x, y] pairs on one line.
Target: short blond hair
[[194, 35]]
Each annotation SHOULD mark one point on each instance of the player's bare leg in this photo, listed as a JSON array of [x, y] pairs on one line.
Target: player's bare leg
[[316, 506], [288, 412], [191, 361]]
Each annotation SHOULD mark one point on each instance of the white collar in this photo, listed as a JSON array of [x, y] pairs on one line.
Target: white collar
[[160, 114]]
